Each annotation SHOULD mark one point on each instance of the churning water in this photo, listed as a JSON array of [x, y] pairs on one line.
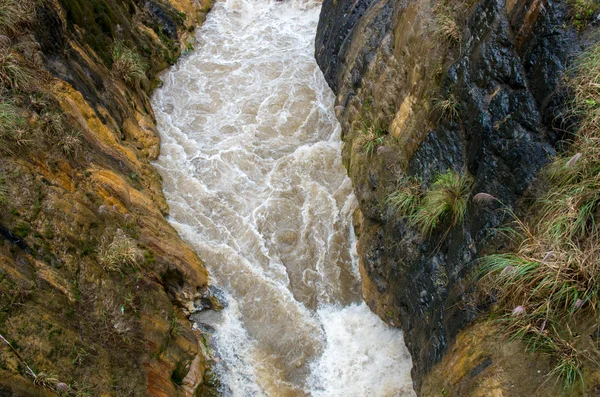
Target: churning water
[[251, 164]]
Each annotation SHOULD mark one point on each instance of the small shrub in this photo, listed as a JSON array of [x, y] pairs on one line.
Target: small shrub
[[128, 64], [15, 132], [119, 252], [405, 200], [445, 202]]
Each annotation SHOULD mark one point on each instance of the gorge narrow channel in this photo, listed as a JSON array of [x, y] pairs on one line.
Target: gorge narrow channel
[[250, 158]]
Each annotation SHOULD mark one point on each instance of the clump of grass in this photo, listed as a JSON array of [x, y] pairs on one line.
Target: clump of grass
[[189, 48], [371, 136], [59, 132], [70, 142], [582, 11], [448, 107], [554, 274], [128, 64], [444, 203], [405, 200], [13, 73], [118, 252], [12, 13], [15, 132], [445, 25]]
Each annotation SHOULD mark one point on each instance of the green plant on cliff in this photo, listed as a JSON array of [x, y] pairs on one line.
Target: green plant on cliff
[[551, 283], [444, 203], [371, 136], [406, 199], [582, 11], [448, 107], [128, 65]]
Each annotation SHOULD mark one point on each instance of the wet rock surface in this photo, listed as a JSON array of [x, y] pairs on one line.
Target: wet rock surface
[[386, 62]]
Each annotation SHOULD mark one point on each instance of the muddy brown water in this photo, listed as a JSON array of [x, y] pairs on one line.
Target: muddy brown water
[[250, 158]]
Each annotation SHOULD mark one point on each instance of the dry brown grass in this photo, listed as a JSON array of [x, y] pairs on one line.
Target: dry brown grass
[[118, 252], [128, 65]]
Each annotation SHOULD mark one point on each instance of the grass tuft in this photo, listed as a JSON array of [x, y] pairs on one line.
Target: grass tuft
[[119, 252], [444, 203], [128, 65], [448, 107], [371, 136], [12, 13], [13, 73], [405, 200], [445, 25]]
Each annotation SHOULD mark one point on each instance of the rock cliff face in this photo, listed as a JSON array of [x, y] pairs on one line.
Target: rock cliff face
[[468, 86], [95, 285]]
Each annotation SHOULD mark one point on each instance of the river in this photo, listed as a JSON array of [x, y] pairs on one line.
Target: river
[[250, 158]]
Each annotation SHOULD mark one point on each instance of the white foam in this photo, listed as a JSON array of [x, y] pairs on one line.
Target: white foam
[[363, 356]]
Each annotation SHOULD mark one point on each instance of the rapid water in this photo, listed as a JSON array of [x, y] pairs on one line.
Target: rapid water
[[250, 159]]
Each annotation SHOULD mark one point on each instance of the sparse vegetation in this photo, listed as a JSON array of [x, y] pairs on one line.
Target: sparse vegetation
[[128, 65], [70, 142], [117, 252], [12, 13], [553, 277], [3, 191], [444, 203]]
